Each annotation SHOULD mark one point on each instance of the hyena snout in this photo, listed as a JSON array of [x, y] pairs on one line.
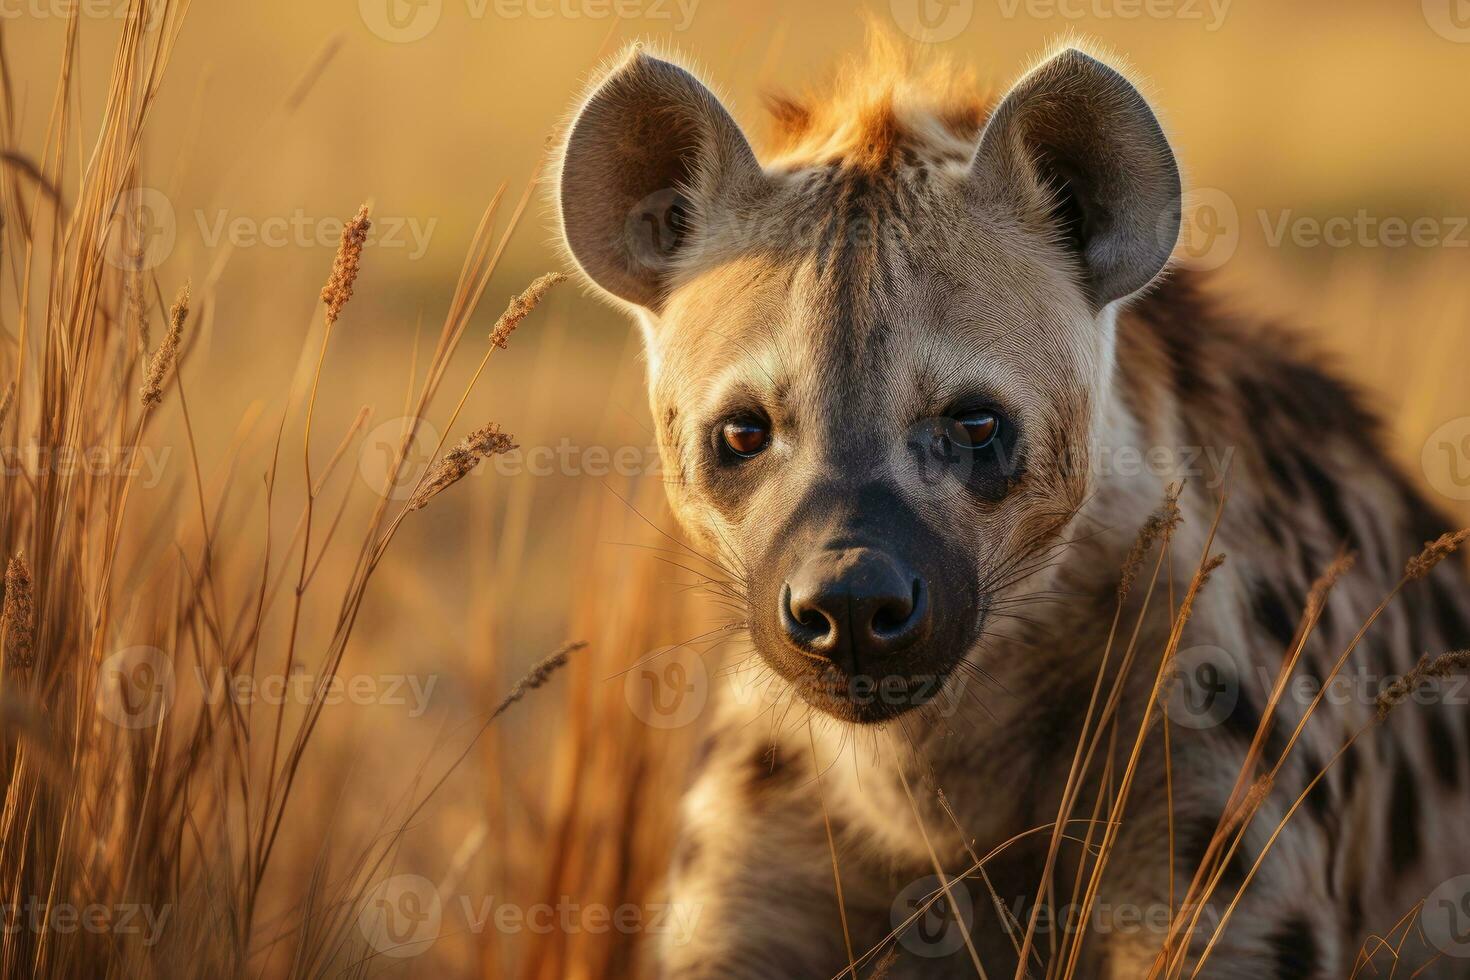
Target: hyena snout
[[863, 606], [855, 607]]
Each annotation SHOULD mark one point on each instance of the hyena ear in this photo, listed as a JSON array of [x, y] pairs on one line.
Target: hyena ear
[[1077, 149], [650, 154]]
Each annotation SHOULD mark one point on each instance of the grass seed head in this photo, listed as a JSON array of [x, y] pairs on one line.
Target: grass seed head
[[459, 461], [537, 677], [1160, 525], [1322, 588], [168, 351], [338, 289], [521, 306], [1435, 552], [1454, 662], [20, 614]]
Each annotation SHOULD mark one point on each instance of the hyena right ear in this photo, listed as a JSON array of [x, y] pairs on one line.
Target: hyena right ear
[[1077, 149], [651, 151]]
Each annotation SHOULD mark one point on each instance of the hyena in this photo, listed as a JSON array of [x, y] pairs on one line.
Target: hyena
[[920, 372]]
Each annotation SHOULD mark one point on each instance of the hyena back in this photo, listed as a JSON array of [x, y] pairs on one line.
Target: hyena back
[[919, 376]]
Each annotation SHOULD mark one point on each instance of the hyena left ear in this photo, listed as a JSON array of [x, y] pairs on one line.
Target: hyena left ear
[[1079, 151], [651, 153]]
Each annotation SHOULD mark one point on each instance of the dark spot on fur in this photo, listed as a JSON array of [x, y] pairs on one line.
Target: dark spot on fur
[[1451, 617], [1271, 524], [1295, 948], [770, 770], [1193, 837], [686, 854], [1329, 500], [1444, 746], [1245, 719], [1273, 613], [1355, 921], [1320, 800], [1403, 818], [1348, 765], [703, 752]]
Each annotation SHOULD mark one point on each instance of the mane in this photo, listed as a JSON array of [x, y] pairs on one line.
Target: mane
[[890, 103]]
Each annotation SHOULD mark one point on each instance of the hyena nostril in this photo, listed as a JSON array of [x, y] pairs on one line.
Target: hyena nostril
[[852, 604], [815, 622], [896, 617]]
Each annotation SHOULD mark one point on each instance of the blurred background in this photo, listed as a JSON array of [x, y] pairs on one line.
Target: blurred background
[[1325, 145]]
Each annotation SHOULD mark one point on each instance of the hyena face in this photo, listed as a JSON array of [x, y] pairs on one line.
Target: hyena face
[[878, 361]]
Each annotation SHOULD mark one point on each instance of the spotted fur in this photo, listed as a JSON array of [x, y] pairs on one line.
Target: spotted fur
[[902, 242]]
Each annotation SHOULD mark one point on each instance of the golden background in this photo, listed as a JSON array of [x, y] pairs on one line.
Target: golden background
[[1307, 110]]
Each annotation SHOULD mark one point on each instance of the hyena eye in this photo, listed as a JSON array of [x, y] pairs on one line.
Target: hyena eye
[[746, 437], [974, 430]]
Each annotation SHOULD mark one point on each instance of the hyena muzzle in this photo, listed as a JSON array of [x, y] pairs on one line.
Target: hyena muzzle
[[919, 375]]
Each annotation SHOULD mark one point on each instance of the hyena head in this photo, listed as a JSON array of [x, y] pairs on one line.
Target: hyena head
[[877, 360]]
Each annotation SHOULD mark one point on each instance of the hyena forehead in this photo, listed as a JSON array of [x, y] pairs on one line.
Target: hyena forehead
[[964, 317], [883, 223]]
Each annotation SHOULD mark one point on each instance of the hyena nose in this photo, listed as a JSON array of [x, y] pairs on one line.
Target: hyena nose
[[852, 605]]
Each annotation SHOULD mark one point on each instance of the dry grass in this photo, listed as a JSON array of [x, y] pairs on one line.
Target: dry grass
[[154, 804], [250, 834]]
